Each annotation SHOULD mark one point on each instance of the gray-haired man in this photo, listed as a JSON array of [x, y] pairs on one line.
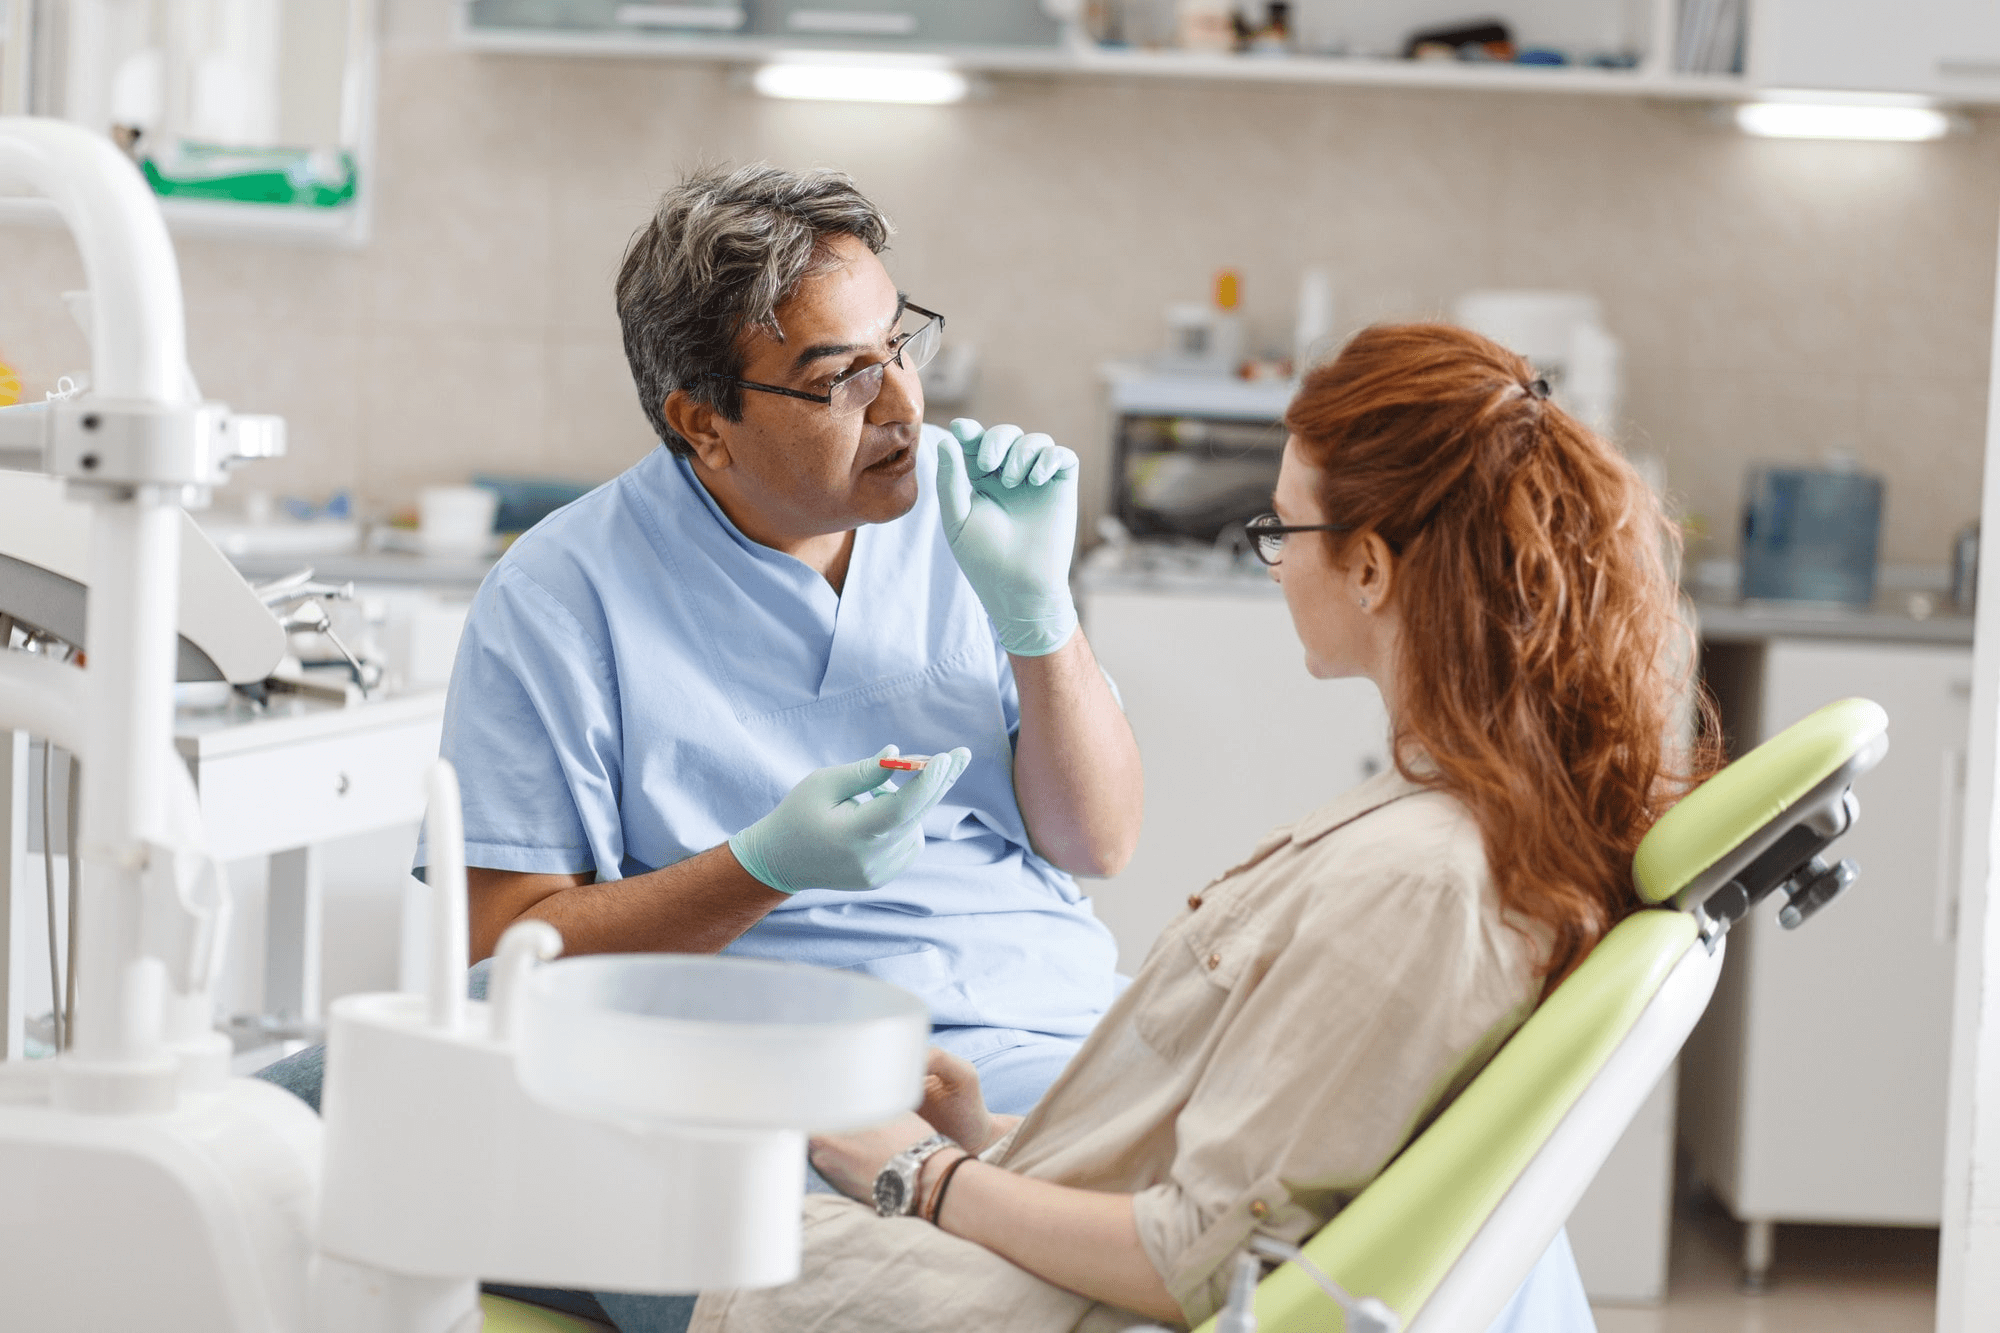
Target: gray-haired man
[[670, 693]]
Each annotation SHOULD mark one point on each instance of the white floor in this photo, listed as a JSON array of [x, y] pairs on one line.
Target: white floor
[[1825, 1280]]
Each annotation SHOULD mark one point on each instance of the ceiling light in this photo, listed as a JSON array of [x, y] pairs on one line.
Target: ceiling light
[[1842, 120], [859, 81]]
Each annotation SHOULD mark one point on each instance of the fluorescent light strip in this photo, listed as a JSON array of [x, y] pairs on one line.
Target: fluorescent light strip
[[1836, 120], [855, 82], [719, 18]]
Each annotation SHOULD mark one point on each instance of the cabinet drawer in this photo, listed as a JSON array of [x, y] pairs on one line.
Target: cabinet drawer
[[255, 802]]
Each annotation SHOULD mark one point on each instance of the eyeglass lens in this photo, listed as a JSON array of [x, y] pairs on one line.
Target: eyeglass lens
[[1267, 545], [856, 392]]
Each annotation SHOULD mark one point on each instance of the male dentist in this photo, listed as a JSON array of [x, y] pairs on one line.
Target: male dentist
[[672, 695]]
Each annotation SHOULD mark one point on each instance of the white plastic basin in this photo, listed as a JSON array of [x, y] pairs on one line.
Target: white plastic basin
[[726, 1043]]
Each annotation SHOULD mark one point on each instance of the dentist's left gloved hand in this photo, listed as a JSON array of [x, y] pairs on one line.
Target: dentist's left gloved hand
[[1009, 505]]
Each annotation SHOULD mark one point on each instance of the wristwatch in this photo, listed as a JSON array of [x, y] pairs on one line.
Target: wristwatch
[[896, 1186]]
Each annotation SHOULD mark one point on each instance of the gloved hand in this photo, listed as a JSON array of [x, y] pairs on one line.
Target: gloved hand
[[1009, 506], [824, 836]]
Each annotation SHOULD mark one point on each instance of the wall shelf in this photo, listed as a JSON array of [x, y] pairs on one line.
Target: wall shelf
[[1158, 64]]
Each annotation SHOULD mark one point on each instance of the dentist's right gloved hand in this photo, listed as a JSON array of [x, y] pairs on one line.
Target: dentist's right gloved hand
[[1008, 501], [824, 836]]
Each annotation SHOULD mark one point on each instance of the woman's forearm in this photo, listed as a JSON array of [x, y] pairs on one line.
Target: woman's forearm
[[1083, 1240]]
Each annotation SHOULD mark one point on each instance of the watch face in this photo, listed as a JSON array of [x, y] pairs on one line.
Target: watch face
[[890, 1193]]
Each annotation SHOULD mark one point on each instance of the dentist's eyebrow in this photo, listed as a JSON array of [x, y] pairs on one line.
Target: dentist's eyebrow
[[822, 351]]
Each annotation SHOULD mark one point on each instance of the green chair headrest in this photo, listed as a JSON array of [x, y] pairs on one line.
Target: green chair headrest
[[1726, 822]]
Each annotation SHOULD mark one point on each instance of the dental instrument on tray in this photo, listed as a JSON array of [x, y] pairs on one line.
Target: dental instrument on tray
[[631, 1123]]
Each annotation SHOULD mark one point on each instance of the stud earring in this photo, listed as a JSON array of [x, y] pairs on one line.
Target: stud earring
[[1364, 604]]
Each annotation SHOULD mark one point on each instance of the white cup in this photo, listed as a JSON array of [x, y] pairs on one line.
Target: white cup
[[456, 520]]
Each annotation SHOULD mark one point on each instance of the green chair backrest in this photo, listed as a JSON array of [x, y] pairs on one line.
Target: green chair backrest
[[1399, 1237]]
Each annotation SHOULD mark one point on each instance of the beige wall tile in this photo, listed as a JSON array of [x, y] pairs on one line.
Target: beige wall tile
[[1774, 299]]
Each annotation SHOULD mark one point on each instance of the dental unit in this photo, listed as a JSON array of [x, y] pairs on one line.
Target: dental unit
[[629, 1123]]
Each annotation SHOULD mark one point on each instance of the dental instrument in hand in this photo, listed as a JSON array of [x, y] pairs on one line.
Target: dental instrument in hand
[[906, 763], [824, 836], [1364, 1314]]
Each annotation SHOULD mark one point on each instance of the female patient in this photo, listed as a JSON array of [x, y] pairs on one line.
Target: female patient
[[1504, 578]]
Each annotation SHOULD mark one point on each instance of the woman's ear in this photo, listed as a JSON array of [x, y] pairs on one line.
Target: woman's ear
[[696, 423], [1372, 571]]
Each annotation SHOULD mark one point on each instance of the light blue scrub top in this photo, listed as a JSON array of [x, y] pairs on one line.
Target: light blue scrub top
[[638, 681]]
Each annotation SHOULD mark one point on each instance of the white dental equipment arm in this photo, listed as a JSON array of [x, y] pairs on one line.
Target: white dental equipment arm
[[132, 446]]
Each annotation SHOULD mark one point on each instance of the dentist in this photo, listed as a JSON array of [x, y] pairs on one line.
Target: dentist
[[671, 697]]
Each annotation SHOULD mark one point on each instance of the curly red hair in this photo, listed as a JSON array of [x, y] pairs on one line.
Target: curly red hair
[[1546, 668]]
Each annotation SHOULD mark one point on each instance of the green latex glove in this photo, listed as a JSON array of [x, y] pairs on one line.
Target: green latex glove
[[823, 835], [1009, 505]]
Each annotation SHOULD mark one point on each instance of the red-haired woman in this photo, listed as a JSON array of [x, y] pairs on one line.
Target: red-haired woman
[[1505, 579]]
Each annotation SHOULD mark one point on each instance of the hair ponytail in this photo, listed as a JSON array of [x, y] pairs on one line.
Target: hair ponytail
[[1545, 664]]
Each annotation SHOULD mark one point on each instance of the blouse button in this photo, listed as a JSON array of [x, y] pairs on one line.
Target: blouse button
[[1214, 961], [1194, 901], [1259, 1209]]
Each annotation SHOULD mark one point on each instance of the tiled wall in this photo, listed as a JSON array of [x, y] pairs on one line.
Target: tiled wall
[[1775, 300]]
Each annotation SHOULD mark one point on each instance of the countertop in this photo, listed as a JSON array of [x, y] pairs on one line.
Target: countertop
[[366, 567], [1193, 572], [1887, 621]]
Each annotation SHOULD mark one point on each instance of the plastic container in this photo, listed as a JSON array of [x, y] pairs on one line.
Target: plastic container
[[725, 1042], [1811, 536], [456, 520]]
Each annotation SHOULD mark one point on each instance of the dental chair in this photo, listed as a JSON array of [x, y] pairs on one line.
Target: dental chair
[[1446, 1234]]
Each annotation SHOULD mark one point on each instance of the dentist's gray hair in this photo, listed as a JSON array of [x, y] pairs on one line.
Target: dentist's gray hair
[[723, 251]]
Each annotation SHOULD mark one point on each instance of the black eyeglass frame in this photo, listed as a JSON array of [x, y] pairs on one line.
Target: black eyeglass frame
[[826, 399], [1267, 525]]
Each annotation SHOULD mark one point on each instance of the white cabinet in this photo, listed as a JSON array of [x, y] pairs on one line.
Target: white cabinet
[[1947, 48], [1814, 1090], [1236, 738]]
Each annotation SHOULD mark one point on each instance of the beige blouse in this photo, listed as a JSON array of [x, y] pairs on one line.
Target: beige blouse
[[1311, 1010]]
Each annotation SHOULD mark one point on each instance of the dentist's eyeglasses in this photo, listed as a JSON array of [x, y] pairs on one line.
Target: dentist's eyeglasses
[[854, 390], [1268, 533]]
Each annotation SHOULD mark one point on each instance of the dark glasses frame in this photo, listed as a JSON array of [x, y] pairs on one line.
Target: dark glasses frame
[[1267, 535]]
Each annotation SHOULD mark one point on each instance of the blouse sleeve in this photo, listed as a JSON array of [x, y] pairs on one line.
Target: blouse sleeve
[[1357, 1031]]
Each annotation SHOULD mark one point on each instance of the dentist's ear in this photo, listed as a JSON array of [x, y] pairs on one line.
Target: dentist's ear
[[697, 424]]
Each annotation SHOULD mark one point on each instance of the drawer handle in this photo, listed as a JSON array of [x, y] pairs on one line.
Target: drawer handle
[[340, 785]]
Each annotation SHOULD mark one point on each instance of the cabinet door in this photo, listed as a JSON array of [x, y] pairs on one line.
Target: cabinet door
[[1236, 739], [1946, 47], [1847, 1021]]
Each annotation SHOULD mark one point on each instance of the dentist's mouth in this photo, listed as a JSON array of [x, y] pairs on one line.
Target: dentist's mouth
[[899, 461]]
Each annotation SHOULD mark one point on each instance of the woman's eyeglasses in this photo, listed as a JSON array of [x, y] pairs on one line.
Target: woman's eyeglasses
[[854, 390], [1268, 533]]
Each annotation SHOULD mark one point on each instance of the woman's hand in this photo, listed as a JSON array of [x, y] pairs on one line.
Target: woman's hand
[[850, 1162], [953, 1104]]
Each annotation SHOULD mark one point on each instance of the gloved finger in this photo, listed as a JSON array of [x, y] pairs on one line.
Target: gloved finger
[[993, 448], [844, 782], [914, 799], [1053, 462], [966, 430], [954, 487], [1027, 451]]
